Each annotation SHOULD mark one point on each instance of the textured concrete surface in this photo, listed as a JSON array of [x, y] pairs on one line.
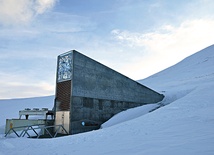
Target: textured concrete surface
[[98, 93]]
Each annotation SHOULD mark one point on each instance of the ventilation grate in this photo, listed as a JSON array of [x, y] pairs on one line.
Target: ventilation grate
[[63, 95]]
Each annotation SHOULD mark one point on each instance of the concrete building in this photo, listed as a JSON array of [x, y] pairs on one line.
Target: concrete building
[[88, 93]]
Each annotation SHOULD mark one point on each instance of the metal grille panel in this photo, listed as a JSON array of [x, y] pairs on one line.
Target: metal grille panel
[[63, 95]]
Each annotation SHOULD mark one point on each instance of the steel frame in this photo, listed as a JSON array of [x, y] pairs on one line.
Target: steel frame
[[34, 127]]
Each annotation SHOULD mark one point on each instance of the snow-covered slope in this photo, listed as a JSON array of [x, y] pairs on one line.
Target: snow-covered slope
[[193, 70], [185, 126]]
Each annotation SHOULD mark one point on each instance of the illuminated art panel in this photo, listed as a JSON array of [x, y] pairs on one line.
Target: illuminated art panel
[[64, 71]]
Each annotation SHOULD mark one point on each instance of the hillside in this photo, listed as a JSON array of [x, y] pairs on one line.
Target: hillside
[[195, 70], [183, 126]]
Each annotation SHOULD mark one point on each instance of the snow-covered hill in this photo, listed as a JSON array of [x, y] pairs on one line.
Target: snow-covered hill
[[184, 126], [193, 70]]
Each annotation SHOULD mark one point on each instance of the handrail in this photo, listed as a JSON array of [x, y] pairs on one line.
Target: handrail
[[38, 126]]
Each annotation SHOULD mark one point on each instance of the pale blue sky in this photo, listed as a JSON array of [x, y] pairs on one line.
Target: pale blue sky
[[135, 37]]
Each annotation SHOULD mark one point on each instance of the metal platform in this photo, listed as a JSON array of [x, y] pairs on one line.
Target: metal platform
[[23, 125], [48, 131], [20, 123]]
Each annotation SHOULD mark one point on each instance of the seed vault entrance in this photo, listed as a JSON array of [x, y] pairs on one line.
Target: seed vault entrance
[[62, 118], [88, 93]]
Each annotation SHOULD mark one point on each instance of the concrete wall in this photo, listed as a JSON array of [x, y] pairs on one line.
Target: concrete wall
[[99, 92], [93, 112], [94, 80]]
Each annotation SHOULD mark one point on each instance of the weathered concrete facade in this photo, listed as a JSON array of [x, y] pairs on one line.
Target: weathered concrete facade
[[92, 93]]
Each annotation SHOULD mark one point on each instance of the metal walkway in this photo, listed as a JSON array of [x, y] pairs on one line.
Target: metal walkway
[[33, 128]]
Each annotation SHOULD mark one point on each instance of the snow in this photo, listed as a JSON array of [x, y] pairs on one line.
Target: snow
[[185, 125]]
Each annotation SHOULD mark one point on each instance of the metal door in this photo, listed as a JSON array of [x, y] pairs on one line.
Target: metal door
[[63, 118]]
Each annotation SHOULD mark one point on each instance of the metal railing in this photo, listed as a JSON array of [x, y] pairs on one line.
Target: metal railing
[[33, 128]]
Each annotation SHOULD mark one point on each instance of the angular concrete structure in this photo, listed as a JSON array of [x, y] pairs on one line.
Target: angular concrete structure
[[88, 93]]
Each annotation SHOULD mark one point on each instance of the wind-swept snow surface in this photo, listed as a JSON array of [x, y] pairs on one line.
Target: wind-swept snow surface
[[185, 126]]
